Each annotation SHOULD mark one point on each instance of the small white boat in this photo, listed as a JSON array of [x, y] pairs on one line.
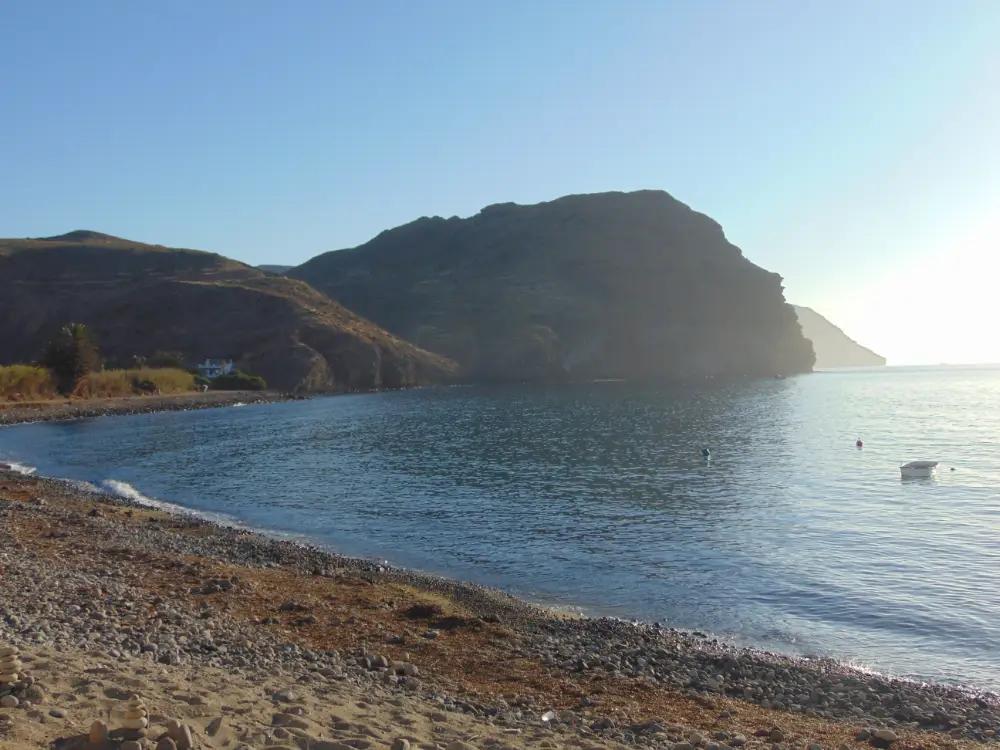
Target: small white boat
[[918, 469]]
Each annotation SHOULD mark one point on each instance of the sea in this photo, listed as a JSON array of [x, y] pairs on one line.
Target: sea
[[596, 498]]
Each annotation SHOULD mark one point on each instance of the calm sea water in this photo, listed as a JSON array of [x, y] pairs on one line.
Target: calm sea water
[[596, 496]]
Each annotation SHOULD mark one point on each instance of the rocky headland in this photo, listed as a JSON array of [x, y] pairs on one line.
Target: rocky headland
[[245, 641], [609, 285], [833, 347]]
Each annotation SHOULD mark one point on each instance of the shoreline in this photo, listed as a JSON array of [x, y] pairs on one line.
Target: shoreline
[[603, 677], [26, 412], [433, 580]]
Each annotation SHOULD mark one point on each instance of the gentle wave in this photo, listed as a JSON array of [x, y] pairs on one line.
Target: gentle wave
[[126, 491], [19, 468]]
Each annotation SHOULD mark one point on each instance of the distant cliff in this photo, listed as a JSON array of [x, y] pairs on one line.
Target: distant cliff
[[141, 298], [832, 346], [630, 285]]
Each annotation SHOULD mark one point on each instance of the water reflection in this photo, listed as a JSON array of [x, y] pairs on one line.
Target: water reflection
[[597, 495]]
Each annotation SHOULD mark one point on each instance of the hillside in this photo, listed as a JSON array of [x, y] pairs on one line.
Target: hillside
[[631, 285], [833, 347], [275, 269], [142, 298]]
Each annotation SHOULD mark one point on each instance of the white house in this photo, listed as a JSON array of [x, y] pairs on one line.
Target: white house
[[213, 368]]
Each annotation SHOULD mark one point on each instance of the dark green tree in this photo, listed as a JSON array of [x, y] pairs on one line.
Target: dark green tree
[[71, 354]]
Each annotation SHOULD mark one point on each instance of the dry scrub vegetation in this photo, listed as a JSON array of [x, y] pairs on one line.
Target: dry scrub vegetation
[[32, 383]]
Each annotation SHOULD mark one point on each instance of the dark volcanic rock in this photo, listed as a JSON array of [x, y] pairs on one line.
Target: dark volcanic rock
[[611, 285]]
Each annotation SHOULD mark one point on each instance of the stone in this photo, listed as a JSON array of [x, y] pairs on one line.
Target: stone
[[136, 716], [400, 744], [130, 745], [98, 734], [57, 713], [883, 737], [9, 701], [180, 734], [214, 726], [288, 720], [166, 743], [10, 665]]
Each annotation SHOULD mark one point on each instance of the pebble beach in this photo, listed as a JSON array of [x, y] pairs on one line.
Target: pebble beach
[[20, 412], [240, 640]]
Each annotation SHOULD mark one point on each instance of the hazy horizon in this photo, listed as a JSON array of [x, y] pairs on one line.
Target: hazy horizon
[[852, 149]]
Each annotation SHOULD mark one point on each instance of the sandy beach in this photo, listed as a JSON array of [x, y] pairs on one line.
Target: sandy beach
[[253, 642]]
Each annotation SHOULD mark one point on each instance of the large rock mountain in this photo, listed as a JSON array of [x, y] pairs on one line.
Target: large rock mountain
[[142, 298], [610, 285], [833, 347]]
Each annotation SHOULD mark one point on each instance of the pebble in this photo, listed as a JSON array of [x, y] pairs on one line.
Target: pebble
[[9, 701], [98, 734], [885, 737], [700, 667]]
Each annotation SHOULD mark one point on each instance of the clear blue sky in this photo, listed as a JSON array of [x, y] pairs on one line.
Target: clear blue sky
[[854, 147]]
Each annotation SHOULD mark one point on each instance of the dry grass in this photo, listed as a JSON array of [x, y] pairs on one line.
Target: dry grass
[[26, 383], [112, 383]]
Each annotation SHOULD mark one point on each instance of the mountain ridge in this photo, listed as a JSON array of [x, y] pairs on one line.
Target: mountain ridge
[[614, 284], [140, 298]]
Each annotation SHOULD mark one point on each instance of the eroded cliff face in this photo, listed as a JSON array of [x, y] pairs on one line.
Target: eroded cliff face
[[629, 285], [140, 299]]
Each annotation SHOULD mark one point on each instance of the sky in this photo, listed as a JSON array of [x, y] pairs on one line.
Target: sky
[[853, 147]]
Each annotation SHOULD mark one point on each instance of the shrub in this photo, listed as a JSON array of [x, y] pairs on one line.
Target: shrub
[[171, 359], [26, 382], [166, 379], [71, 354], [145, 380], [238, 380]]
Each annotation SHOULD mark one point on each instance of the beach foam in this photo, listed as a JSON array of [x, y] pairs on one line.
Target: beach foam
[[19, 467]]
